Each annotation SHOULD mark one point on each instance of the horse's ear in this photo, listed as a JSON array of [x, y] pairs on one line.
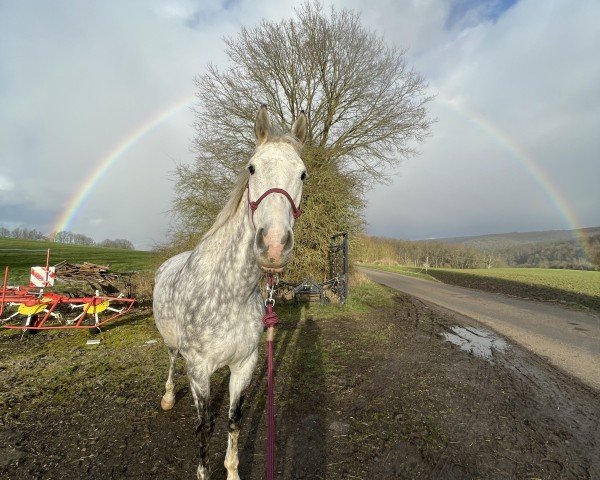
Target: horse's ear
[[300, 127], [262, 126]]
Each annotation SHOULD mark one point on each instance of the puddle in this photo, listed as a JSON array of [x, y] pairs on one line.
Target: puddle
[[477, 341]]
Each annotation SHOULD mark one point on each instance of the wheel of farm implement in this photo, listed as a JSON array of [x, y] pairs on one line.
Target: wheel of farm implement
[[93, 330], [30, 322]]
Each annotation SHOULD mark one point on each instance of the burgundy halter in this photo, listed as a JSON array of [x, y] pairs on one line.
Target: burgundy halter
[[254, 205]]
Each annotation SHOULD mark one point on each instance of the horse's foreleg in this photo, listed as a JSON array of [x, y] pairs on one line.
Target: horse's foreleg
[[200, 385], [168, 399], [239, 380], [231, 457]]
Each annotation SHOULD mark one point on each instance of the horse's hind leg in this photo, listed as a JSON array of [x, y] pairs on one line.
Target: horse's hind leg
[[168, 399], [200, 385], [241, 375]]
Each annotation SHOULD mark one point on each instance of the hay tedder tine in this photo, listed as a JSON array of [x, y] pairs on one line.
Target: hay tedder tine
[[129, 301], [49, 312]]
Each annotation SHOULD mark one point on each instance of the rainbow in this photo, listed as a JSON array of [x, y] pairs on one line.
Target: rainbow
[[519, 153], [75, 203], [560, 202]]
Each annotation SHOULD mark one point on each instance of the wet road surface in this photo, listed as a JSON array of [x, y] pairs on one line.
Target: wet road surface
[[569, 339]]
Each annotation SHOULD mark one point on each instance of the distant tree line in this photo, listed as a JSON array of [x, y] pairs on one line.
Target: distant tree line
[[418, 253], [23, 233], [566, 254], [117, 243], [65, 237], [71, 238], [563, 254]]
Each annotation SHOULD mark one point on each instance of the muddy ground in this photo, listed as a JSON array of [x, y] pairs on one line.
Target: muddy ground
[[359, 396]]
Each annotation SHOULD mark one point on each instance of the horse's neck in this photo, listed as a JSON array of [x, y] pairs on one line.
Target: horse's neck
[[225, 259]]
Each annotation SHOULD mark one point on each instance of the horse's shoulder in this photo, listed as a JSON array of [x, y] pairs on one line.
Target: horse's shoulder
[[173, 264]]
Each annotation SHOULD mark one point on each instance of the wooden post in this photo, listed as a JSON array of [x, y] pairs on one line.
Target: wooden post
[[47, 267], [4, 290]]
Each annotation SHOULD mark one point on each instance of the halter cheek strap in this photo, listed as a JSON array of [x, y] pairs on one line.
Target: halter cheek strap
[[254, 205]]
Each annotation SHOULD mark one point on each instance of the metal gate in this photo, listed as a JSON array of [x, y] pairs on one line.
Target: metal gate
[[338, 265]]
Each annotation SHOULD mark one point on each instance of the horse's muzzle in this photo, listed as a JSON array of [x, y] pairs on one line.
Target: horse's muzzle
[[273, 248]]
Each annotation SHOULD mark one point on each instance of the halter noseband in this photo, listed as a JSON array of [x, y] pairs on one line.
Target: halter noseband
[[254, 205]]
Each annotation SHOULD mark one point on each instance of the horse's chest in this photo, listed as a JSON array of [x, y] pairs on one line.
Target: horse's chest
[[222, 331]]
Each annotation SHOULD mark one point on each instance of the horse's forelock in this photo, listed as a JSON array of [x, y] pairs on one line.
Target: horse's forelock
[[287, 138]]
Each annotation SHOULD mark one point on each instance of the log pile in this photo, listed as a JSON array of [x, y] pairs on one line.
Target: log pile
[[96, 276], [83, 271]]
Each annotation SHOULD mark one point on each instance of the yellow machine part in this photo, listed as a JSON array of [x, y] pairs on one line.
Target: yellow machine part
[[28, 310], [99, 308]]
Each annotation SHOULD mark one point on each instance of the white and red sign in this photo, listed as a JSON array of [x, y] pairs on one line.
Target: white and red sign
[[41, 278]]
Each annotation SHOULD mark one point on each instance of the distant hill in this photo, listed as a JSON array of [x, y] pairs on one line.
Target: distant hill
[[501, 241], [549, 249], [554, 248]]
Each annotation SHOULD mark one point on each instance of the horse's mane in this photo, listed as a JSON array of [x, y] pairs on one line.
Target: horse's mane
[[235, 197], [239, 187]]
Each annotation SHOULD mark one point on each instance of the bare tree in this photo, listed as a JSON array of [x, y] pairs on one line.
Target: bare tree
[[366, 108]]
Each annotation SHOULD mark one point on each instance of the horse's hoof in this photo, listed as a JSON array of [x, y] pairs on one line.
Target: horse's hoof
[[167, 403], [202, 473]]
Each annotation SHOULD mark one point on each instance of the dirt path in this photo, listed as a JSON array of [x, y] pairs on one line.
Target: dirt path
[[378, 396], [568, 339]]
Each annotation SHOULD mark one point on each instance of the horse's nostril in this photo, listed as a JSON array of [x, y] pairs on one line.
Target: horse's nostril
[[287, 241], [260, 240]]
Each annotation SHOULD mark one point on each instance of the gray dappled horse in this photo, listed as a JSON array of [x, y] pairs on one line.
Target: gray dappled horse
[[207, 302]]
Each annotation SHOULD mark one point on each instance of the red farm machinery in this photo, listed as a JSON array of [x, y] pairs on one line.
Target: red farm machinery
[[37, 307]]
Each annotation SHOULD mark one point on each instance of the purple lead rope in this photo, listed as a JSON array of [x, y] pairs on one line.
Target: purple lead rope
[[269, 321]]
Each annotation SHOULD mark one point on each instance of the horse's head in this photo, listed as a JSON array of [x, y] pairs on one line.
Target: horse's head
[[275, 189]]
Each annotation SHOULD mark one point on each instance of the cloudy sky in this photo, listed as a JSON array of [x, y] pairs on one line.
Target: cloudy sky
[[94, 107]]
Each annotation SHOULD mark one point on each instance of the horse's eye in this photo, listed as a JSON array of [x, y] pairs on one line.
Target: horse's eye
[[251, 169], [303, 176]]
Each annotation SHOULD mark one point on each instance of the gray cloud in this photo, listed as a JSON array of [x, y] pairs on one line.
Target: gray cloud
[[522, 91], [22, 212], [78, 79]]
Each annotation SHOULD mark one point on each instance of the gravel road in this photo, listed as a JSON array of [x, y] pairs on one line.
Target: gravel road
[[569, 339]]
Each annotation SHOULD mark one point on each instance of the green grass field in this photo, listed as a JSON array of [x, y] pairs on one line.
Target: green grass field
[[577, 288], [21, 255], [576, 281]]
